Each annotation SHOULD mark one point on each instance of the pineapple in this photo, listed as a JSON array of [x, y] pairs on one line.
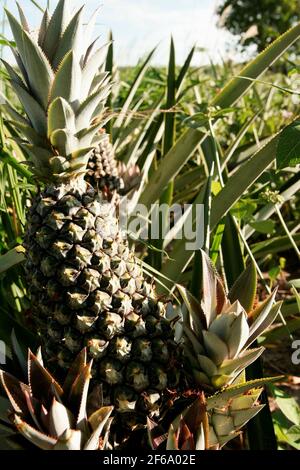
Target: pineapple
[[87, 287], [103, 172]]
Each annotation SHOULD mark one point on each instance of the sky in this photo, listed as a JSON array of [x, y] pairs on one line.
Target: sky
[[140, 25]]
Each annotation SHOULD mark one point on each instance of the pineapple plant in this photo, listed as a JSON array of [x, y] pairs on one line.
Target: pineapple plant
[[218, 331], [87, 287], [209, 423], [52, 416], [55, 417]]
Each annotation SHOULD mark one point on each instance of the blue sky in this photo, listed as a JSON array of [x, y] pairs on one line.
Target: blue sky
[[139, 25]]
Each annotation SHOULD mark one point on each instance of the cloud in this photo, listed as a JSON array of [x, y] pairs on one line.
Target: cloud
[[139, 25]]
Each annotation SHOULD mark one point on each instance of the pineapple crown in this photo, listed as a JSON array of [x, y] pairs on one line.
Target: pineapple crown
[[209, 423], [55, 417], [219, 330], [62, 86]]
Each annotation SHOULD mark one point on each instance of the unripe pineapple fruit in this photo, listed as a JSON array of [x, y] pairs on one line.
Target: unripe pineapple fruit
[[107, 174], [86, 285], [88, 289], [103, 171]]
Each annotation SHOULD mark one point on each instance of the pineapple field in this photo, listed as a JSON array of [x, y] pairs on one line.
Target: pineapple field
[[149, 244]]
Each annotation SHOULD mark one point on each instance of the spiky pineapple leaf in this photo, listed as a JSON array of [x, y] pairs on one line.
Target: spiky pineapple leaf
[[241, 362], [215, 347], [101, 79], [86, 136], [239, 333], [197, 318], [30, 134], [90, 50], [263, 317], [17, 32], [244, 288], [78, 393], [33, 109], [60, 419], [14, 114], [82, 412], [21, 66], [38, 155], [90, 70], [23, 19], [172, 439], [64, 141], [85, 112], [41, 382], [60, 116], [74, 371], [15, 392], [98, 421], [43, 30], [220, 399], [13, 75], [79, 158], [67, 80], [36, 437], [88, 33], [40, 73], [70, 440], [213, 294], [70, 39], [54, 31]]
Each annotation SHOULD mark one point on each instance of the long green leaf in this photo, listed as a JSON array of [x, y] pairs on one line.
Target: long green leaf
[[109, 67], [197, 280], [56, 28], [71, 39], [260, 429], [269, 209], [40, 74], [244, 288], [274, 245], [233, 91], [242, 179], [13, 162], [238, 86], [33, 109], [67, 81], [220, 399], [232, 251], [133, 90], [168, 142], [170, 167], [11, 259]]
